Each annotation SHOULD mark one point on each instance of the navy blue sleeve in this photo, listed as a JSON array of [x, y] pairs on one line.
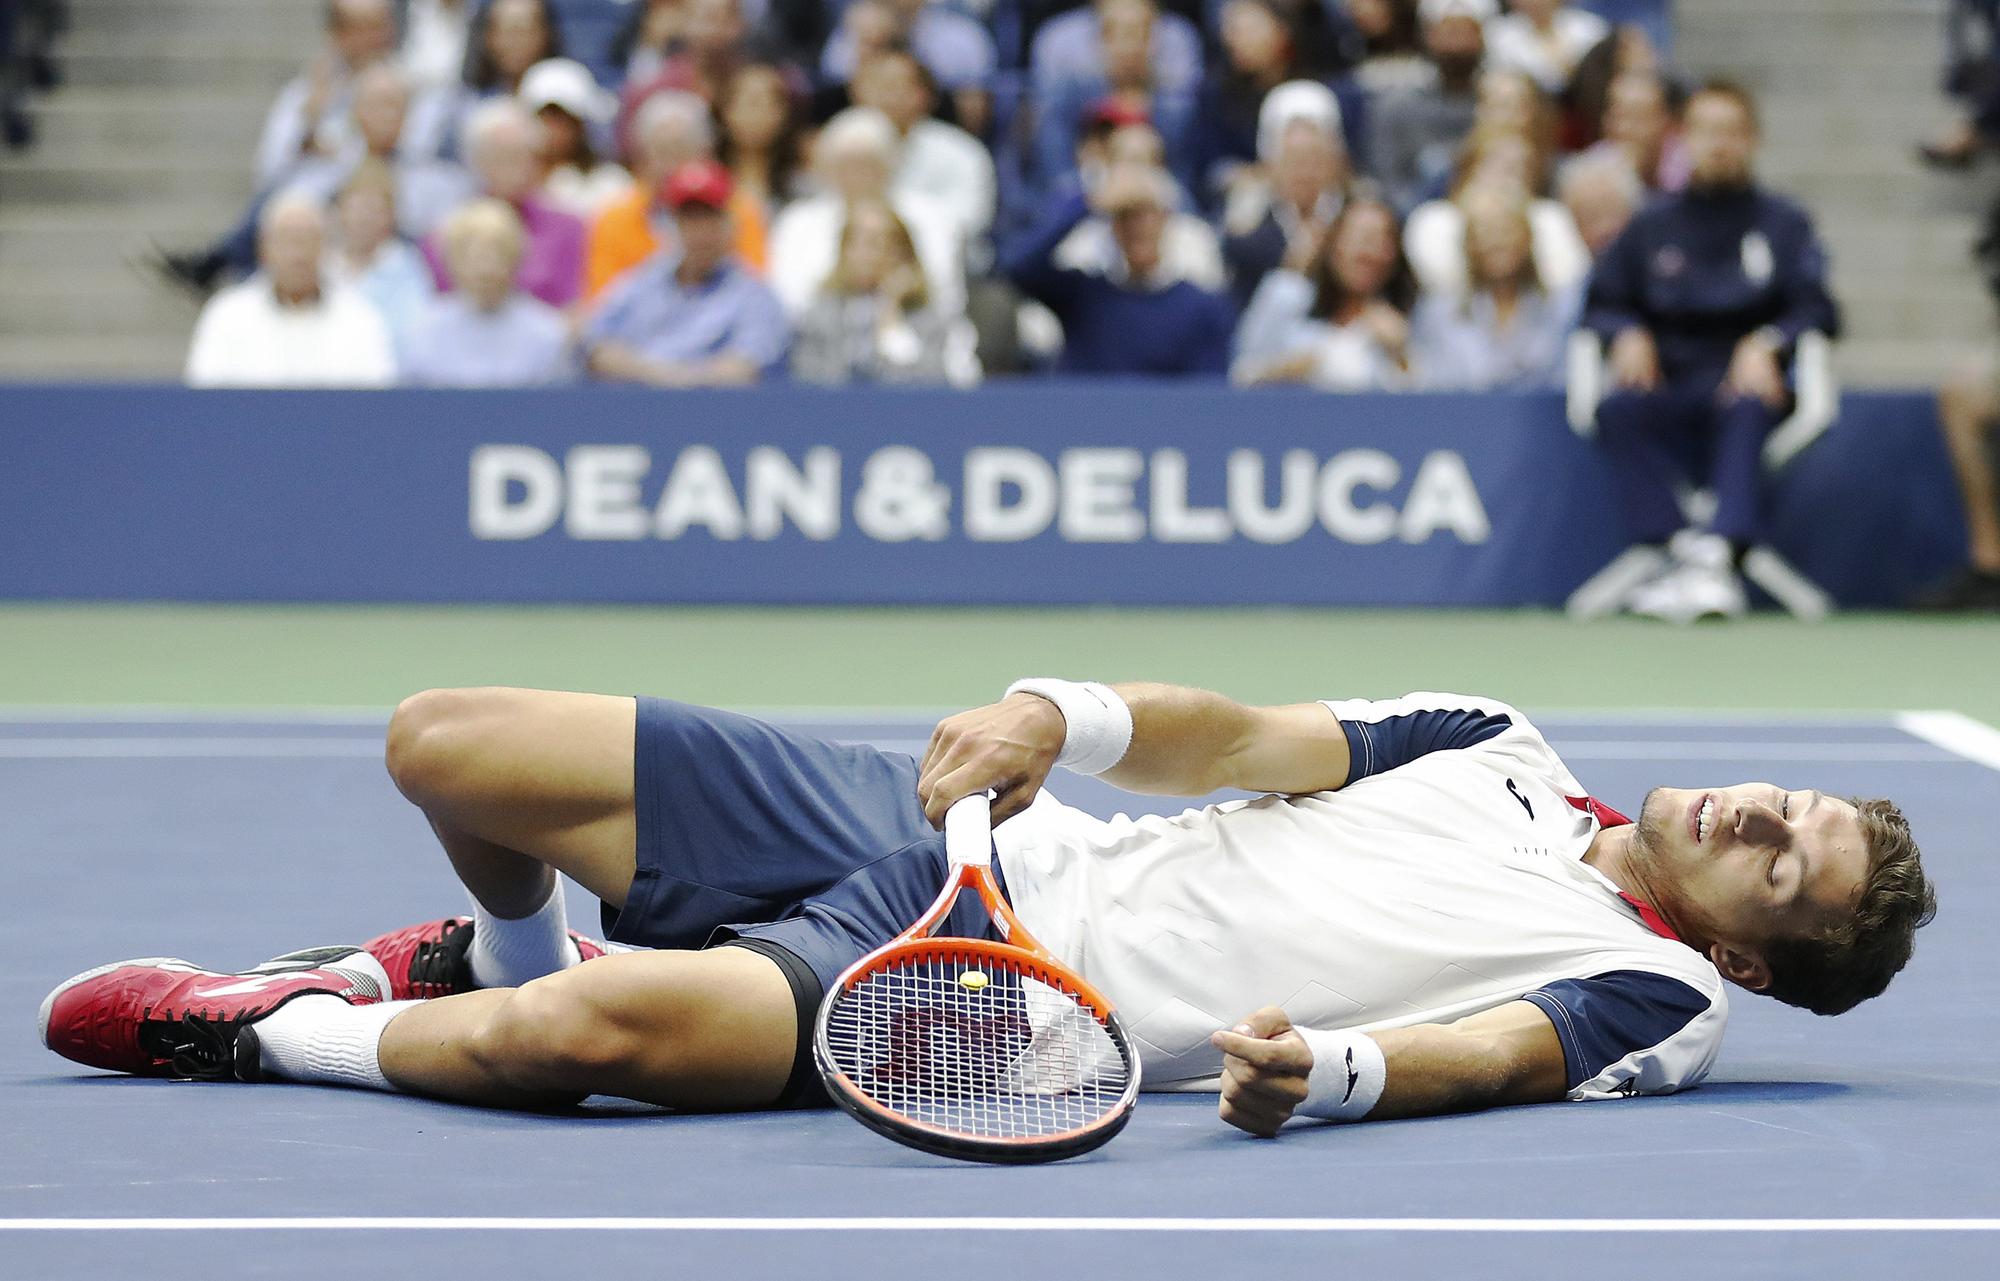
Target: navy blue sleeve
[[1603, 1019], [1030, 261], [1616, 297], [1375, 746], [1802, 274]]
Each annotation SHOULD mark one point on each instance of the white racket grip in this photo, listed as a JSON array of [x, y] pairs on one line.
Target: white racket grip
[[968, 831]]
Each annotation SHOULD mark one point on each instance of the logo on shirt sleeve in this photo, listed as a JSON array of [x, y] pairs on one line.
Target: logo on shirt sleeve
[[1759, 263], [1517, 796]]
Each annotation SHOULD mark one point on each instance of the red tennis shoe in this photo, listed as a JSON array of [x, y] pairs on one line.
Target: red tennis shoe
[[435, 958], [164, 1017]]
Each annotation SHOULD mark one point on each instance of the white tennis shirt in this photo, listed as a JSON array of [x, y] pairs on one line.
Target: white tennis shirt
[[1446, 878]]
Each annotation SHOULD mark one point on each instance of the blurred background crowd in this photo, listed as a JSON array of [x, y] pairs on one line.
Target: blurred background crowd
[[1345, 195]]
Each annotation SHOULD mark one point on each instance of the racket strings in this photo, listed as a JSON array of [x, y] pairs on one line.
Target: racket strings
[[977, 1046]]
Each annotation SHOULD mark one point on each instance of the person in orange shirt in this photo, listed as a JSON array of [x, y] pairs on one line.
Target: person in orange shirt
[[671, 130]]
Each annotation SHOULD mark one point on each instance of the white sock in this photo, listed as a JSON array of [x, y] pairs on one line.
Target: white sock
[[510, 953], [322, 1040]]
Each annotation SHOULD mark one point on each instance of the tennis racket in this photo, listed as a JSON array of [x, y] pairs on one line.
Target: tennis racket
[[970, 1048]]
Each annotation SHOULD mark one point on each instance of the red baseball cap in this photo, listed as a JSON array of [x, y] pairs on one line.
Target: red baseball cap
[[698, 182], [1115, 113]]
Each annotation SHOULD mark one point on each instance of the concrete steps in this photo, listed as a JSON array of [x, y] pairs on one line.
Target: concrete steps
[[111, 295], [196, 63], [102, 175], [80, 121], [1848, 88], [150, 139], [110, 358]]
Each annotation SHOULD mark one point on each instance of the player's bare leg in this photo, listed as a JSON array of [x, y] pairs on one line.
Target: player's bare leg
[[714, 1029], [521, 784], [518, 785], [1967, 407]]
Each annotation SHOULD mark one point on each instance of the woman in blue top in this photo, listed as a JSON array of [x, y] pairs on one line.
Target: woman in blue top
[[1337, 322], [1506, 332]]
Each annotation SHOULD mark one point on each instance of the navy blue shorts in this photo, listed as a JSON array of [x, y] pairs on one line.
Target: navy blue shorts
[[809, 852]]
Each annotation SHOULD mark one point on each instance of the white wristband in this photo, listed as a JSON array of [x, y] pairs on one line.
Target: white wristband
[[1348, 1074], [1097, 725]]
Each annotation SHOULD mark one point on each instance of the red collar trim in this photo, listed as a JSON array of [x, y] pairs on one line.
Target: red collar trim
[[1654, 921], [1604, 814], [1608, 817]]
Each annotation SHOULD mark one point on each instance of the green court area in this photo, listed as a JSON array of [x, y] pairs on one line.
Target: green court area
[[368, 657]]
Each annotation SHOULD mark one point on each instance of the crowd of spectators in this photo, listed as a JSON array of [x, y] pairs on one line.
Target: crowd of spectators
[[1972, 80], [1346, 194], [1969, 401], [28, 33]]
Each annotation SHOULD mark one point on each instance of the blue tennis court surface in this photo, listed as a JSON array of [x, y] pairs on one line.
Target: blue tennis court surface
[[1858, 1146]]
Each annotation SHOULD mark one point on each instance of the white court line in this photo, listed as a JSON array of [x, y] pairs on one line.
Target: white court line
[[336, 714], [972, 1224], [1662, 750], [190, 713], [217, 747], [198, 747], [191, 748], [1956, 733]]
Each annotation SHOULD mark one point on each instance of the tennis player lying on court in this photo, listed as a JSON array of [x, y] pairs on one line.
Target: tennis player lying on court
[[1424, 912]]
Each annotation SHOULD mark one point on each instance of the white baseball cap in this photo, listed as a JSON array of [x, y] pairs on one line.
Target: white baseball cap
[[1307, 100], [566, 83], [1438, 10]]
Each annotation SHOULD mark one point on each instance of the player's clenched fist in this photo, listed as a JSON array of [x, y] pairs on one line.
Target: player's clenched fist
[[1008, 747], [1264, 1069]]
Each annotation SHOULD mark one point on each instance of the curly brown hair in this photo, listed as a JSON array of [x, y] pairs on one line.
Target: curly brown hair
[[1838, 969]]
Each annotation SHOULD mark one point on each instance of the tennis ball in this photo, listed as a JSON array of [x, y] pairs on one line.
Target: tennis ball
[[973, 980]]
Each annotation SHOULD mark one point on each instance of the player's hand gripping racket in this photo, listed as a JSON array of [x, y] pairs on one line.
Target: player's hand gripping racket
[[971, 1048]]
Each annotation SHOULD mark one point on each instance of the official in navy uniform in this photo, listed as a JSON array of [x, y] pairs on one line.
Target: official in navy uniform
[[1699, 304]]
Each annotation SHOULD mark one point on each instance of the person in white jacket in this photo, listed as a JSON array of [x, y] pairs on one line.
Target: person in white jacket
[[288, 325], [937, 161], [856, 158], [1495, 156], [1545, 38]]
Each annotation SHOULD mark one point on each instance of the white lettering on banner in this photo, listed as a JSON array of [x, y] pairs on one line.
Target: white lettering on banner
[[1097, 500], [1088, 495], [1339, 511], [774, 490], [1293, 516], [1444, 497], [1173, 520], [698, 492], [604, 491], [900, 498], [989, 471], [493, 515]]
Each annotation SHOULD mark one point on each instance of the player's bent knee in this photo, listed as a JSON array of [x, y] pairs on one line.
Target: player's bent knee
[[543, 1040], [427, 737]]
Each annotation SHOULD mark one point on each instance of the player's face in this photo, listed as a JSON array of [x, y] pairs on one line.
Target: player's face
[[1740, 866]]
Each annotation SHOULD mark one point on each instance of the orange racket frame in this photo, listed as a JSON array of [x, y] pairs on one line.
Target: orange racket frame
[[969, 846]]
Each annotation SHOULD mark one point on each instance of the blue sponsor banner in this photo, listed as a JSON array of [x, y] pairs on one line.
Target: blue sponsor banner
[[1034, 493]]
